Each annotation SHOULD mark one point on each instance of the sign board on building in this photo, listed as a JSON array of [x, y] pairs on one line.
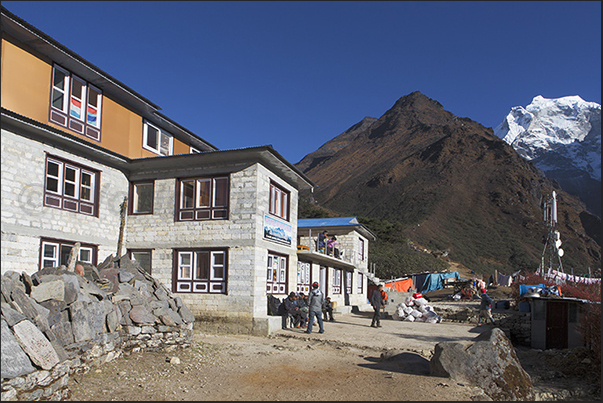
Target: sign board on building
[[276, 230]]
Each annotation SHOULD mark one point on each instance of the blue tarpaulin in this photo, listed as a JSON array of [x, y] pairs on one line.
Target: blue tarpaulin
[[433, 281], [526, 288]]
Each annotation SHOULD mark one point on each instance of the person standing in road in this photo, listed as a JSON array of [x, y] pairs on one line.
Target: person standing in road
[[485, 308], [377, 302], [316, 300]]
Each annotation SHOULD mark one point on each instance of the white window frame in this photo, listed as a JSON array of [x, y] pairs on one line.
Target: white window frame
[[337, 281], [276, 279], [82, 99], [56, 246], [360, 285], [161, 134], [135, 197], [193, 150], [303, 276], [137, 252], [191, 284], [279, 201], [361, 249], [97, 108], [65, 91], [63, 115]]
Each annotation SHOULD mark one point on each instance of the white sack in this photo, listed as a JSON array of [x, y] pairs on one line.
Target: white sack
[[416, 313], [409, 301], [420, 301], [408, 310], [410, 318]]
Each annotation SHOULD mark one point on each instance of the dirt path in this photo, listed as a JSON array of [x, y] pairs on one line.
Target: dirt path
[[237, 367], [344, 363]]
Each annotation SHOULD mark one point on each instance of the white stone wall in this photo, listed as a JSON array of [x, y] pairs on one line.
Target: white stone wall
[[25, 219], [242, 234]]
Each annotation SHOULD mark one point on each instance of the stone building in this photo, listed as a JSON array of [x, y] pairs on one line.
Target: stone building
[[86, 159]]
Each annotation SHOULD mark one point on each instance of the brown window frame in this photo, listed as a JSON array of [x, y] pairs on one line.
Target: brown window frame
[[275, 284], [194, 285], [209, 212], [58, 199], [60, 243], [62, 116]]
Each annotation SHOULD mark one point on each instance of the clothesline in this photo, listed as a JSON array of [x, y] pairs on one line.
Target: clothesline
[[557, 275]]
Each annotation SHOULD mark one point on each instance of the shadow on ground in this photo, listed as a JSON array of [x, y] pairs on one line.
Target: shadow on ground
[[405, 363]]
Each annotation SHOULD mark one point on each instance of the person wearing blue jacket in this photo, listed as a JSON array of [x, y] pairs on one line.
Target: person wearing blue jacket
[[485, 307]]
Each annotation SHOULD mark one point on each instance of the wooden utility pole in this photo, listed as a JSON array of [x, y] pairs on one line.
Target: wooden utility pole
[[122, 225]]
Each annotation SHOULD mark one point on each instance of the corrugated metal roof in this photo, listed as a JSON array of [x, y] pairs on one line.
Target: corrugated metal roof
[[327, 222]]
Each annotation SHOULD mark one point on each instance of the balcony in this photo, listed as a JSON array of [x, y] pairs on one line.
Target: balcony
[[326, 256]]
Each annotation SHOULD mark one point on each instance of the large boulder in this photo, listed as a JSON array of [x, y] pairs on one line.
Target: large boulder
[[489, 362]]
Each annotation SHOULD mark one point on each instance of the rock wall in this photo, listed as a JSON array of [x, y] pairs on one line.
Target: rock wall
[[55, 323]]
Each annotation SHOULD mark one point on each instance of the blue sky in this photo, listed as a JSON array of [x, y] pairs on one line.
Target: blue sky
[[295, 74]]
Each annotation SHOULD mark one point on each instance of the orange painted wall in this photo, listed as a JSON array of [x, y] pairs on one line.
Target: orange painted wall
[[26, 79], [25, 82]]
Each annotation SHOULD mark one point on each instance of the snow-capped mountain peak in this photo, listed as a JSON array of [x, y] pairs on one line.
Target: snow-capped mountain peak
[[562, 137]]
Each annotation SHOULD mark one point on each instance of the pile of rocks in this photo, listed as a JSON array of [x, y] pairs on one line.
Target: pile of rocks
[[56, 322], [416, 310]]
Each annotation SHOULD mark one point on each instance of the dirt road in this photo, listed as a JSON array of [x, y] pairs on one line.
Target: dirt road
[[344, 363]]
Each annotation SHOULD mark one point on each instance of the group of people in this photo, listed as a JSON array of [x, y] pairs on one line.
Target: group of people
[[304, 309], [327, 244]]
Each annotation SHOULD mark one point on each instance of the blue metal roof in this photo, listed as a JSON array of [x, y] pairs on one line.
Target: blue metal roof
[[327, 222]]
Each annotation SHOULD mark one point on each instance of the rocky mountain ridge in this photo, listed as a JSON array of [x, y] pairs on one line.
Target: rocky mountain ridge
[[452, 184]]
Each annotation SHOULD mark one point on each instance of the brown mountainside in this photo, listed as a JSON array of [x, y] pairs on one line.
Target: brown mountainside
[[452, 185]]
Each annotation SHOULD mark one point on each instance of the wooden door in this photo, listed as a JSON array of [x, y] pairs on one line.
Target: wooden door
[[556, 325]]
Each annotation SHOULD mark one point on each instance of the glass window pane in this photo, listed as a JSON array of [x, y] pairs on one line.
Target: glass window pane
[[70, 174], [53, 169], [64, 258], [219, 259], [93, 98], [165, 144], [69, 189], [57, 99], [221, 192], [59, 79], [86, 179], [143, 259], [202, 266], [76, 89], [49, 250], [152, 135], [188, 192], [218, 273], [143, 198], [85, 255], [204, 186], [52, 184]]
